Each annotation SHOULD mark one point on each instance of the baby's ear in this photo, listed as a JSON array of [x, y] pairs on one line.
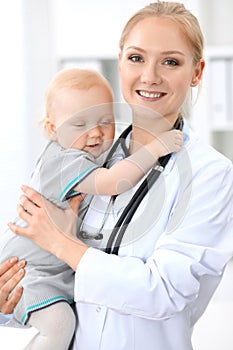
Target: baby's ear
[[50, 128]]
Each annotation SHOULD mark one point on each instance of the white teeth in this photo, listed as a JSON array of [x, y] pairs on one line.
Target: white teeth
[[149, 94]]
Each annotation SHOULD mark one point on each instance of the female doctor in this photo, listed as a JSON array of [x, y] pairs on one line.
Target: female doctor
[[150, 286]]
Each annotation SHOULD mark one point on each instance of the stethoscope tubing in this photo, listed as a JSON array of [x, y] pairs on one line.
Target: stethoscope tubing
[[131, 208], [129, 211]]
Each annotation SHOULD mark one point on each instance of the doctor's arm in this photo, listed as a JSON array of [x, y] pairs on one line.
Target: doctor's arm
[[12, 270], [193, 251], [196, 246], [49, 226]]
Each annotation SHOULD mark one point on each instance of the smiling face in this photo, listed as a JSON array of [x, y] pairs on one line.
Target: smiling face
[[83, 119], [156, 66]]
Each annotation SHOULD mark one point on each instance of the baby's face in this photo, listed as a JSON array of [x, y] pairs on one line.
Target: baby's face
[[85, 120]]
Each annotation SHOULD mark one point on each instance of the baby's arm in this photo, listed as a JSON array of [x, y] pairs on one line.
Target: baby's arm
[[126, 173]]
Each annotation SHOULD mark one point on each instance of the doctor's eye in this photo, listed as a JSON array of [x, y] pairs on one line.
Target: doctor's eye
[[171, 62], [135, 58]]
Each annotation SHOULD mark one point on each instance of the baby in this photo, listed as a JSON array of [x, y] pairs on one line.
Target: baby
[[80, 125]]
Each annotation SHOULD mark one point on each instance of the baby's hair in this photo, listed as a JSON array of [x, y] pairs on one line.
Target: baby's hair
[[74, 79]]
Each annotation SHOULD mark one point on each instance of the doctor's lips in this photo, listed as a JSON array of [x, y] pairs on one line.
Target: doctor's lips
[[149, 95]]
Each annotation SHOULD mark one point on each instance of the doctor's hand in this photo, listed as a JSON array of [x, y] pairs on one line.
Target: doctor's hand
[[51, 228], [38, 212], [11, 272]]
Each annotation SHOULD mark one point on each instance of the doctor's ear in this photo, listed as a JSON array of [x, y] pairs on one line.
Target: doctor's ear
[[198, 73], [119, 61]]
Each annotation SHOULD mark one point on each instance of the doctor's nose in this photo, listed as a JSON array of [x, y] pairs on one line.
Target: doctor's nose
[[151, 75]]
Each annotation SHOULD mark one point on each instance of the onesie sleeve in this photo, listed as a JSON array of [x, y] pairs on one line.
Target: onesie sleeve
[[61, 171]]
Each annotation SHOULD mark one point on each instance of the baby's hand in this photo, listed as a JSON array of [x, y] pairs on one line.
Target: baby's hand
[[170, 141]]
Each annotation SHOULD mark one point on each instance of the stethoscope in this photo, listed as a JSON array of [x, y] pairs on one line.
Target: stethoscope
[[117, 234]]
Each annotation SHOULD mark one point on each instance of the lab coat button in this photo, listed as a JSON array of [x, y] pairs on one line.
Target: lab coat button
[[98, 309]]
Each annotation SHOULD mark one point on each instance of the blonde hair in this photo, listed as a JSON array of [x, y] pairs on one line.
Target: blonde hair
[[73, 78], [176, 12]]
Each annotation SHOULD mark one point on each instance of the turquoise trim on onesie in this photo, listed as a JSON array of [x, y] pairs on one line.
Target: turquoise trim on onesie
[[42, 305], [75, 181]]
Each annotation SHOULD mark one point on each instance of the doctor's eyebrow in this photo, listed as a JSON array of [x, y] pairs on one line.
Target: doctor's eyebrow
[[169, 52]]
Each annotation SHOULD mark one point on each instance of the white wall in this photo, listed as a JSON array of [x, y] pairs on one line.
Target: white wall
[[93, 28], [13, 121], [216, 19], [27, 64]]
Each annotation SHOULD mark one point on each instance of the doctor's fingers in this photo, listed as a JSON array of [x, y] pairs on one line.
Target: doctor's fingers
[[9, 268], [26, 216], [36, 204], [9, 281], [75, 203], [33, 196], [28, 205], [7, 304]]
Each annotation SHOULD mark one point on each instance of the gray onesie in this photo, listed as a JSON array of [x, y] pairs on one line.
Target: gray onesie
[[48, 280]]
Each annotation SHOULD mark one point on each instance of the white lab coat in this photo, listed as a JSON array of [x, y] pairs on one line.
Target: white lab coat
[[170, 263]]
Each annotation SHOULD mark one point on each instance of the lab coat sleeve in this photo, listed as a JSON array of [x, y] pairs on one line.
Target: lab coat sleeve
[[195, 246]]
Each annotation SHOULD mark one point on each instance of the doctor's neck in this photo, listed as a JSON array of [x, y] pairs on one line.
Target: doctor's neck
[[144, 130]]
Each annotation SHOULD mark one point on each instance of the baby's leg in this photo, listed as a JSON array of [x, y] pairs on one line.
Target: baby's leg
[[56, 326]]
